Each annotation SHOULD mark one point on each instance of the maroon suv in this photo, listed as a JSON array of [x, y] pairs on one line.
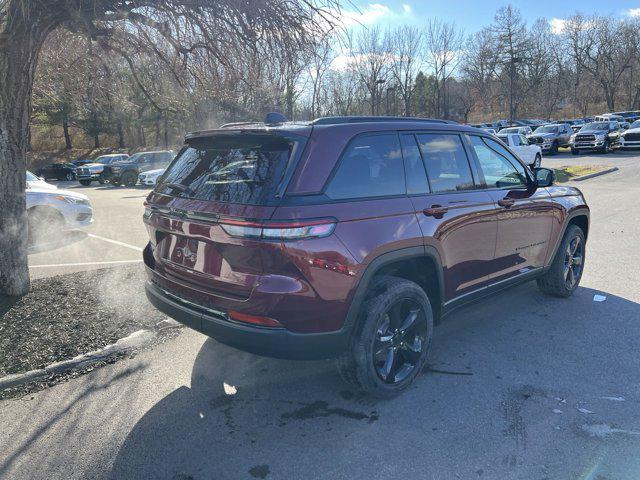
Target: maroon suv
[[347, 237]]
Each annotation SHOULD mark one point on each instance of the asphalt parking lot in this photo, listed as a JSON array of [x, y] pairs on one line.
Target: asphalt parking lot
[[520, 386]]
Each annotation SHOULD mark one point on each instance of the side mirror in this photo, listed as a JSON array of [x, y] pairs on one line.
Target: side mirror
[[545, 177]]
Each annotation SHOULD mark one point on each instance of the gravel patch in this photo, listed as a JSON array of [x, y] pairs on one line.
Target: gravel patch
[[69, 315]]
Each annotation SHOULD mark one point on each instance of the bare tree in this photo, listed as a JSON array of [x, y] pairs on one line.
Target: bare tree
[[406, 49], [216, 27], [370, 60], [443, 41]]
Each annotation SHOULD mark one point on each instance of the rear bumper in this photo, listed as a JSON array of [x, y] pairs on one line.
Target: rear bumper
[[269, 342]]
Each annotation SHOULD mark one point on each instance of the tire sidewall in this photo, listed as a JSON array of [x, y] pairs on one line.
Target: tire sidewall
[[572, 232], [373, 313]]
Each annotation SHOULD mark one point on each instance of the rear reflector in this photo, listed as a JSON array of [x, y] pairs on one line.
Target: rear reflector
[[253, 319], [280, 230]]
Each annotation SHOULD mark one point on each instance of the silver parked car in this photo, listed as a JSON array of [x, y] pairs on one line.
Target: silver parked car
[[52, 212]]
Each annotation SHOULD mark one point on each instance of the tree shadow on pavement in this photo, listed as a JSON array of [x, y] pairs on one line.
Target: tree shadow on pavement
[[251, 417]]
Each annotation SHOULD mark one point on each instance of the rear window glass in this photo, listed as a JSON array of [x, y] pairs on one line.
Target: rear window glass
[[447, 165], [370, 167], [244, 169]]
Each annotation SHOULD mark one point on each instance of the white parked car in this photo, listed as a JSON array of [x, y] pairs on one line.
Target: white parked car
[[530, 154], [150, 177], [520, 130], [630, 138], [51, 212], [37, 182], [492, 131]]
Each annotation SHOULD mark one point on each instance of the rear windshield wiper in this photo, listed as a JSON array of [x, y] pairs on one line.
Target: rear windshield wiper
[[178, 186]]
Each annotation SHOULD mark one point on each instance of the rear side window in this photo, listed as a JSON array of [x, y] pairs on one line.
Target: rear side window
[[243, 168], [447, 164], [371, 166]]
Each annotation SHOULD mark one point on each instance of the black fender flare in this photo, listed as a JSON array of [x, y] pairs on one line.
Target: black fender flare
[[385, 259], [578, 212]]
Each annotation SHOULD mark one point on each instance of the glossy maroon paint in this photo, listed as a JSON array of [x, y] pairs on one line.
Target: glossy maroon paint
[[308, 285]]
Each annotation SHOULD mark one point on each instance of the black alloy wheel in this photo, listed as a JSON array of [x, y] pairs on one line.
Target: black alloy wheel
[[399, 341], [573, 261]]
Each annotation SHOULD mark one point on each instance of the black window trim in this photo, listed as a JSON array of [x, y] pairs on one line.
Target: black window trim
[[404, 160]]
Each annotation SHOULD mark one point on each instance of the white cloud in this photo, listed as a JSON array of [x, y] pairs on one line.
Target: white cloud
[[557, 25], [634, 12], [373, 13]]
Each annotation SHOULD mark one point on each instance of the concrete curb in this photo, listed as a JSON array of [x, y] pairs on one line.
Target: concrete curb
[[597, 174], [136, 340]]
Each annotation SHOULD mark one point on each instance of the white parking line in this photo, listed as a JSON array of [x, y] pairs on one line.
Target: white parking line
[[83, 264], [116, 242]]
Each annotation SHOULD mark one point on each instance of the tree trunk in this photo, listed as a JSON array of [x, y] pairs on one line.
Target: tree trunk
[[20, 44], [120, 135], [67, 137], [96, 141]]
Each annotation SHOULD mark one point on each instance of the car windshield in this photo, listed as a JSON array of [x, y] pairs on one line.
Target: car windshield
[[504, 138], [244, 169], [547, 129], [510, 130], [595, 126], [635, 124]]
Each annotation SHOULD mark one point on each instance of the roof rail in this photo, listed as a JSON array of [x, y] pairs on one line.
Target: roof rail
[[367, 119], [238, 124]]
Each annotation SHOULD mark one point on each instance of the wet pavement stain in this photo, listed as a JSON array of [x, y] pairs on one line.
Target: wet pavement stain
[[320, 408], [259, 471]]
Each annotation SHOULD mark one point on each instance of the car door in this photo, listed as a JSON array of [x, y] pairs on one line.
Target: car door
[[515, 143], [525, 216], [456, 217]]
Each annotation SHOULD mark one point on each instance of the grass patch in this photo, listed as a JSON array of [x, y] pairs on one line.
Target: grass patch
[[566, 173]]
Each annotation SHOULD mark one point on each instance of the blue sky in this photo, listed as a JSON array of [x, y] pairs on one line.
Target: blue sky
[[472, 15]]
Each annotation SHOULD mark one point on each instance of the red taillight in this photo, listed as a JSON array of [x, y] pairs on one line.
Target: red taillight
[[253, 319], [294, 230]]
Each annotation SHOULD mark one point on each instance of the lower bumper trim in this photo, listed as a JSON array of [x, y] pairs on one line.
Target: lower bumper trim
[[268, 342]]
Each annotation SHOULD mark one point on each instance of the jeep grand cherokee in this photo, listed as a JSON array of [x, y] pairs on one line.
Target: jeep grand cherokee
[[348, 237]]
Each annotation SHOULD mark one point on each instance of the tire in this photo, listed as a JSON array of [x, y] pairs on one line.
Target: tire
[[556, 281], [43, 225], [606, 148], [86, 183], [575, 151], [554, 148], [101, 181], [393, 303], [70, 177], [538, 161], [129, 179]]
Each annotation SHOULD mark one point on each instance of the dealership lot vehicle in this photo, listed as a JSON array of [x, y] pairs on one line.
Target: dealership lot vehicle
[[522, 130], [58, 171], [631, 137], [126, 173], [50, 212], [150, 177], [603, 136], [551, 137], [288, 271], [93, 171], [37, 182], [530, 155]]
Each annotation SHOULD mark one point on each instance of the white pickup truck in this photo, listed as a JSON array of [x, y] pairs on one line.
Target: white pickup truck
[[530, 154]]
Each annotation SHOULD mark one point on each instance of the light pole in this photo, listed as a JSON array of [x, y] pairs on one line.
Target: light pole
[[391, 97]]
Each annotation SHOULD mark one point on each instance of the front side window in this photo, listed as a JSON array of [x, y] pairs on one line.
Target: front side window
[[447, 164], [371, 166], [497, 170]]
